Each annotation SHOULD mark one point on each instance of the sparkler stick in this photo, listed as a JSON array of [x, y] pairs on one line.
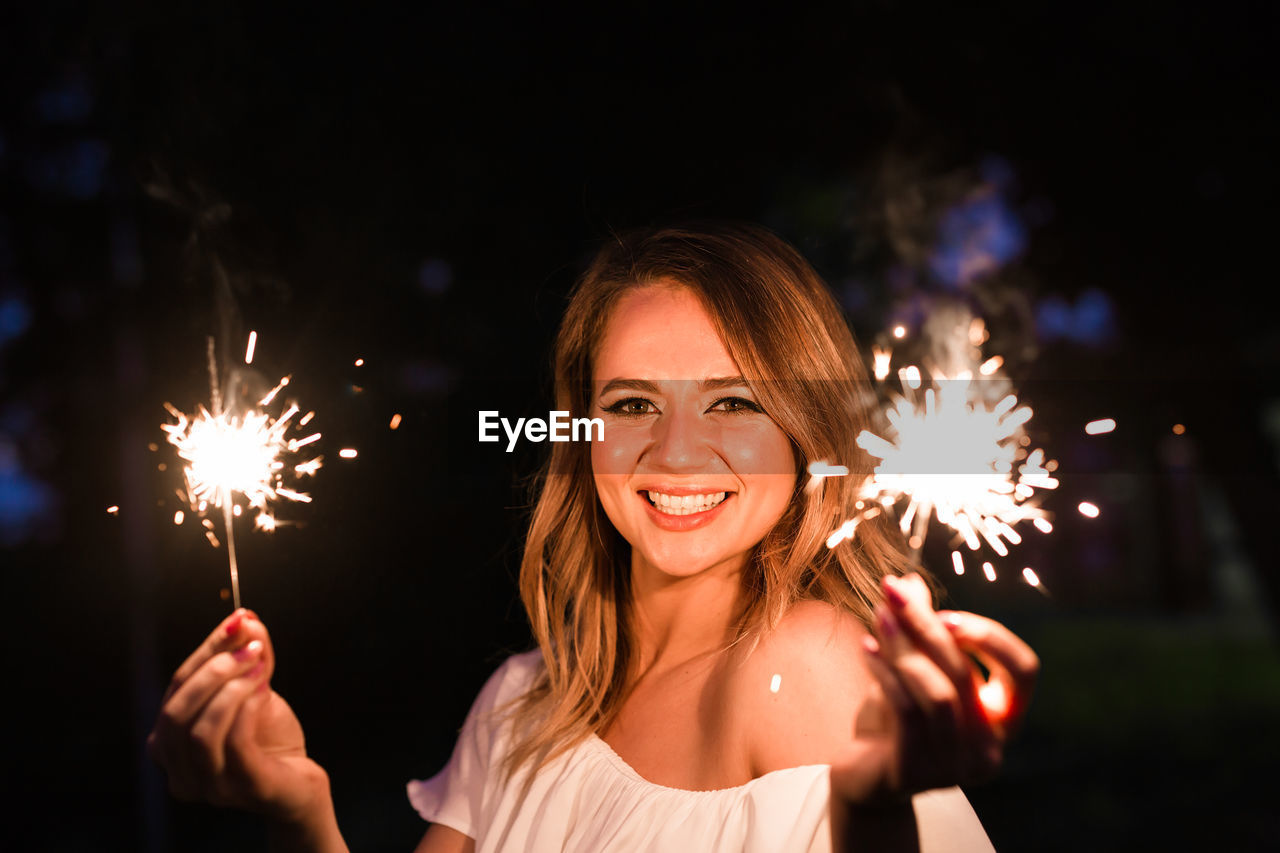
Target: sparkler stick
[[230, 454]]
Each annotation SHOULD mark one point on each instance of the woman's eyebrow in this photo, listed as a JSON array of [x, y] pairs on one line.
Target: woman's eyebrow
[[629, 385], [724, 382], [717, 383]]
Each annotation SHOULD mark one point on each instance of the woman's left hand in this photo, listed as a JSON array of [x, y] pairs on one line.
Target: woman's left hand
[[948, 725]]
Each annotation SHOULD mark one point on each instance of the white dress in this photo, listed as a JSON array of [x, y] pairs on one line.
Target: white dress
[[590, 800]]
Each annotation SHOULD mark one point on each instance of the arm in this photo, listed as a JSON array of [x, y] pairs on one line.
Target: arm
[[224, 737]]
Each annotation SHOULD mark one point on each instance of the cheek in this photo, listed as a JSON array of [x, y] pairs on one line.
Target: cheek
[[759, 449], [617, 453]]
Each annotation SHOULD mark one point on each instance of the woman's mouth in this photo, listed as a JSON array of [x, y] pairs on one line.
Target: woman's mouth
[[684, 504]]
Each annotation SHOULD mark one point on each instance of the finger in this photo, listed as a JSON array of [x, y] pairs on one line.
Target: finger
[[244, 756], [172, 743], [225, 636], [923, 697], [933, 693], [210, 730], [910, 602], [1011, 661], [895, 692], [254, 629], [190, 699]]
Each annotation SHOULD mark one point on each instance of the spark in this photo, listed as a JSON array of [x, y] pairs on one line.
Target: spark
[[179, 517], [880, 359], [958, 562], [991, 365], [1029, 574], [253, 343], [775, 683], [899, 332], [359, 362], [819, 471], [1179, 429], [395, 421], [989, 570], [348, 453], [234, 460], [1100, 426], [113, 510], [1088, 510]]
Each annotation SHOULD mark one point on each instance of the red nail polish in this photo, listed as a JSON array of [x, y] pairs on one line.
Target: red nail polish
[[233, 624]]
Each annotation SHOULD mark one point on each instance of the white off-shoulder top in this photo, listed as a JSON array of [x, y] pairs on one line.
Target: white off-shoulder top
[[590, 800]]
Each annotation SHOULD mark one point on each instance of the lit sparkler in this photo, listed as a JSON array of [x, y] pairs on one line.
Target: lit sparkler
[[245, 454], [952, 455]]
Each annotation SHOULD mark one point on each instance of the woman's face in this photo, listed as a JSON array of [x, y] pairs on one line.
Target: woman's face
[[691, 470]]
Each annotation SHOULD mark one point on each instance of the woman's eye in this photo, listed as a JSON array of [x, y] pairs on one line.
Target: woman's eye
[[736, 404], [631, 406]]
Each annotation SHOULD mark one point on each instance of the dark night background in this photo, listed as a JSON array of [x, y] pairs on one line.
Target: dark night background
[[419, 188]]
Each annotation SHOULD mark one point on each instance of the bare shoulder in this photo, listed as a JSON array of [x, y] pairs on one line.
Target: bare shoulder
[[801, 687]]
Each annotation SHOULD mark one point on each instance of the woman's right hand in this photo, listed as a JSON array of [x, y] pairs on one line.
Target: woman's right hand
[[223, 736]]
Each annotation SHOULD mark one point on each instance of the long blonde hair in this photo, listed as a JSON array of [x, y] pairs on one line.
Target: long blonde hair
[[787, 335]]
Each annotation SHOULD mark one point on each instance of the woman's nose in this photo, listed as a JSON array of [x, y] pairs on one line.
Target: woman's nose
[[682, 442]]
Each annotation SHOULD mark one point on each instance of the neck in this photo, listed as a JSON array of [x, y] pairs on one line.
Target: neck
[[677, 619]]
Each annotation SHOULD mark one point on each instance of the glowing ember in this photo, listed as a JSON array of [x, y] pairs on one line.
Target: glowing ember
[[1100, 426], [1088, 510], [994, 698], [348, 453]]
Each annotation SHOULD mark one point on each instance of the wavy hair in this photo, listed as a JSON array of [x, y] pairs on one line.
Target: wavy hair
[[786, 333]]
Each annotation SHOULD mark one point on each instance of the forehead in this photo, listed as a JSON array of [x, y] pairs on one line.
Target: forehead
[[661, 331]]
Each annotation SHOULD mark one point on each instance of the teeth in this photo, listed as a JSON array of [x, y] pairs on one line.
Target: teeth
[[685, 504]]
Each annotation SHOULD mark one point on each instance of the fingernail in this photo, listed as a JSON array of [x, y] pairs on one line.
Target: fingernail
[[893, 592], [233, 624], [256, 671], [248, 652], [951, 620]]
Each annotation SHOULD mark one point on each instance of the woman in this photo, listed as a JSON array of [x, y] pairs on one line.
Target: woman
[[704, 676]]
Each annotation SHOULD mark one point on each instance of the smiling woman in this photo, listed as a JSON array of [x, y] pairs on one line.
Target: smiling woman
[[709, 675]]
